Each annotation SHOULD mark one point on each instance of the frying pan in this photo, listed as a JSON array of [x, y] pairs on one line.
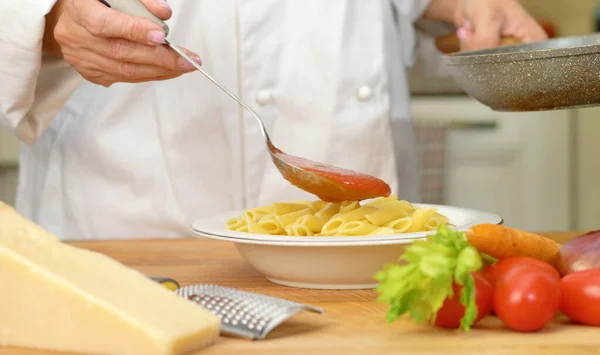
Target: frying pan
[[559, 73]]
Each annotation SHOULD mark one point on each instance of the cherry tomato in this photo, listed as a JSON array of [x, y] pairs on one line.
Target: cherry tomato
[[527, 298], [503, 265], [580, 296], [452, 310]]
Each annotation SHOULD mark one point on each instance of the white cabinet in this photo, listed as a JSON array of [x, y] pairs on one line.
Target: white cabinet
[[587, 147], [9, 158], [9, 148], [517, 165]]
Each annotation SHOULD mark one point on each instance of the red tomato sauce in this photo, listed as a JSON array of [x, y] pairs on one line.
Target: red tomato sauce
[[330, 183]]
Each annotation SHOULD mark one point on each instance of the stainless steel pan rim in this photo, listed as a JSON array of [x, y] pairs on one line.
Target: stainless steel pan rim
[[552, 48]]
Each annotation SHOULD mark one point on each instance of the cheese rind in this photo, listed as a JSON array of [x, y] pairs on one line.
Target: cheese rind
[[69, 299]]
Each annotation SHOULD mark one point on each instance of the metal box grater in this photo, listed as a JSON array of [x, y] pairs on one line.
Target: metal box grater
[[243, 313]]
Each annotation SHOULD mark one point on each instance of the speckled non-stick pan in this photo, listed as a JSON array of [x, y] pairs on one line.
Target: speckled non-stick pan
[[555, 74]]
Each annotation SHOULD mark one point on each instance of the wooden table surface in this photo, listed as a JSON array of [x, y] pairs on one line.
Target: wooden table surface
[[353, 322]]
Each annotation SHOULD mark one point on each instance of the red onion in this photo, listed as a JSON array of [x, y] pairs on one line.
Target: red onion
[[580, 253]]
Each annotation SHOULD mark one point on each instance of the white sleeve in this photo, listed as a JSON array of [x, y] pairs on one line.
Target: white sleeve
[[33, 87], [407, 13], [411, 9]]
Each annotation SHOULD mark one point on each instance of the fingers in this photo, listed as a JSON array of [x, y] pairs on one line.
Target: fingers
[[460, 13], [102, 21], [485, 32], [131, 52], [534, 32], [482, 23], [90, 64], [107, 46], [107, 80]]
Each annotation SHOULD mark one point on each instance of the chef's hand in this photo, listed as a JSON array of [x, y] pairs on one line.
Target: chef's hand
[[106, 46], [481, 23]]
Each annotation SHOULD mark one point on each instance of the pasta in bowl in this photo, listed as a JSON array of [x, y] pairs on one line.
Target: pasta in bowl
[[383, 216], [313, 244]]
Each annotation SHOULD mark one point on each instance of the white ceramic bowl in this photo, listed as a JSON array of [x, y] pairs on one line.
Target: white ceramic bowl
[[320, 266], [326, 262]]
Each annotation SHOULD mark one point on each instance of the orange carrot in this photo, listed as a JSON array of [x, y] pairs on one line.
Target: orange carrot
[[502, 242]]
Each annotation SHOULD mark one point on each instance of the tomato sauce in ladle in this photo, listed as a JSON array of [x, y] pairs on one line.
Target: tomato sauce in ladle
[[327, 182]]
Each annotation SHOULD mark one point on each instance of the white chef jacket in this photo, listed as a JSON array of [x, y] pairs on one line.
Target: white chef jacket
[[145, 160]]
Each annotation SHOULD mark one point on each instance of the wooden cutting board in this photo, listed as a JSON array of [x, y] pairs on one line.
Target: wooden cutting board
[[353, 322]]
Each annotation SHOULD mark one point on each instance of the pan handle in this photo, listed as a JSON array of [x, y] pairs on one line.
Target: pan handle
[[450, 43]]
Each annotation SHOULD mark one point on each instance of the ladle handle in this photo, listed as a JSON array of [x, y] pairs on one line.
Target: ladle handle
[[135, 8], [450, 43]]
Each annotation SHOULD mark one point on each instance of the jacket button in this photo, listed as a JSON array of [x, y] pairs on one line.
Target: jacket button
[[364, 93], [264, 97]]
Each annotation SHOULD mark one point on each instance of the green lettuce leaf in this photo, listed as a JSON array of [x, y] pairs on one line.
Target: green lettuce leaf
[[422, 279]]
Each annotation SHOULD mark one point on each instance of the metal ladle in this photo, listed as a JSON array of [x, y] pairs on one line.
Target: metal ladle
[[329, 183]]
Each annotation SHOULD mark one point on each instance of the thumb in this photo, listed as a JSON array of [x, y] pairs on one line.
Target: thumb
[[160, 8]]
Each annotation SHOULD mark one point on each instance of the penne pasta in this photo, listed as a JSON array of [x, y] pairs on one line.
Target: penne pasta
[[354, 215], [381, 201], [301, 230], [253, 226], [286, 208], [302, 202], [349, 206], [317, 206], [435, 221], [256, 213], [313, 223], [383, 231], [383, 216], [401, 225], [328, 211], [235, 223], [357, 228], [292, 217], [419, 218], [289, 230], [271, 224], [331, 227]]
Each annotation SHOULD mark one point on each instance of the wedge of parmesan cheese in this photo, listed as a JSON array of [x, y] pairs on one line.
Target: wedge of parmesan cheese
[[59, 297]]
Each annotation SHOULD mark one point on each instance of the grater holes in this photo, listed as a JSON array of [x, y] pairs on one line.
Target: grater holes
[[240, 312]]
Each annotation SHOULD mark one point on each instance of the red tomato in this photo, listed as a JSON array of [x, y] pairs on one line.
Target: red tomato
[[452, 310], [495, 271], [527, 298], [506, 264], [489, 273], [580, 296]]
